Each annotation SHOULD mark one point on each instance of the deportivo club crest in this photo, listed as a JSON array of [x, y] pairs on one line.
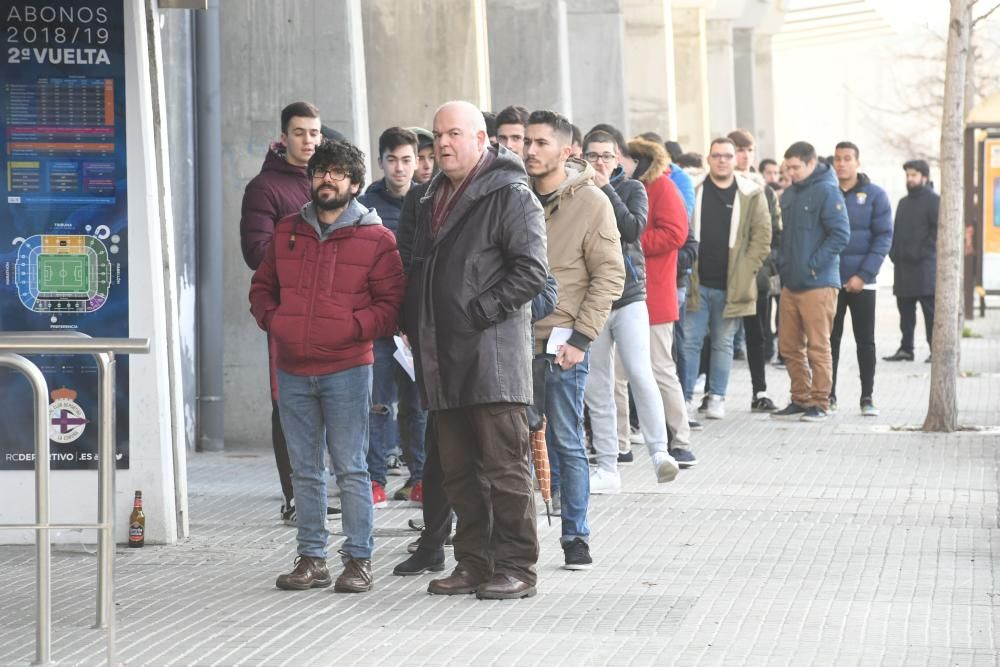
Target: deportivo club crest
[[66, 419]]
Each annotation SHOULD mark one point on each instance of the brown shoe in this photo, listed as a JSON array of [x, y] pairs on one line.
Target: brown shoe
[[459, 582], [309, 573], [504, 587], [356, 577]]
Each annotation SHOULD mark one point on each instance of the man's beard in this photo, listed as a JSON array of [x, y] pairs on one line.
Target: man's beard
[[913, 188], [332, 203]]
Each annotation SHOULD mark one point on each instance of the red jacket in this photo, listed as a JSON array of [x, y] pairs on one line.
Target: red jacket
[[666, 231], [324, 301]]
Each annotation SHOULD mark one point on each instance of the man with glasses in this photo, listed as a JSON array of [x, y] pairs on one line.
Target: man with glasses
[[733, 229], [331, 281], [627, 327]]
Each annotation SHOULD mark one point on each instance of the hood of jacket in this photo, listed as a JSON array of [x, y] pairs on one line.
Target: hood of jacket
[[578, 174], [863, 181], [276, 159], [651, 153], [821, 173], [354, 214]]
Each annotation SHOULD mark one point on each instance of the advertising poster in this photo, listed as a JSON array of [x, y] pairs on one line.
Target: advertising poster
[[63, 216]]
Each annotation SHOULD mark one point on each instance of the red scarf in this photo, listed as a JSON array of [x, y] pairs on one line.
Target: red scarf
[[445, 199]]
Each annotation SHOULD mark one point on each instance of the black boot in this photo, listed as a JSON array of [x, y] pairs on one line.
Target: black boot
[[422, 561], [900, 355]]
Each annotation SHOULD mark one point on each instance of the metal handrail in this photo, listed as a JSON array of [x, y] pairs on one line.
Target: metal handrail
[[12, 346]]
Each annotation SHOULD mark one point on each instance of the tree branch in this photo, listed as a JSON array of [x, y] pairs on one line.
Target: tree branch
[[981, 17]]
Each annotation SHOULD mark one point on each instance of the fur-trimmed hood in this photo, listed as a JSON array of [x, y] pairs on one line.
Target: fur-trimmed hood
[[648, 152]]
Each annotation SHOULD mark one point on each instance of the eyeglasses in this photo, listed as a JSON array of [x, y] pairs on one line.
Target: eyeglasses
[[722, 156], [336, 175], [606, 158]]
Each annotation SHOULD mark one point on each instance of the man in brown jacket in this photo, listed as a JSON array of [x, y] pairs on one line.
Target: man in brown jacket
[[584, 250]]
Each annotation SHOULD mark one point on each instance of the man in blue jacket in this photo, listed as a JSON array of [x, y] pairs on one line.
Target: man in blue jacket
[[871, 235], [816, 230]]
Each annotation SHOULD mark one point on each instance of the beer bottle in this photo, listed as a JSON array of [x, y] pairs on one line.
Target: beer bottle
[[137, 523]]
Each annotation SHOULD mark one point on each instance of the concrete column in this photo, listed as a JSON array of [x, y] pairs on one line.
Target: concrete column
[[691, 76], [529, 54], [744, 83], [763, 99], [721, 77], [420, 54], [649, 67], [597, 56], [274, 52]]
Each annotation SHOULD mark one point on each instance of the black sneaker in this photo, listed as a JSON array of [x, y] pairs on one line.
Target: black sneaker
[[899, 355], [762, 404], [422, 561], [394, 466], [626, 458], [577, 555], [695, 425], [685, 457], [288, 514], [814, 414], [793, 411], [415, 544]]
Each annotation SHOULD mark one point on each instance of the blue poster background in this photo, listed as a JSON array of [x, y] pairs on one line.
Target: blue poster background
[[63, 215]]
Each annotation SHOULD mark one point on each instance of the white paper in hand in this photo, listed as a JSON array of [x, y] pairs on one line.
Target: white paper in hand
[[557, 339], [404, 357]]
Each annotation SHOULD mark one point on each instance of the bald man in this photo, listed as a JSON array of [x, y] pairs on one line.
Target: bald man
[[478, 258]]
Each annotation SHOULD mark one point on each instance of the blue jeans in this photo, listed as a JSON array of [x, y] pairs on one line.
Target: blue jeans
[[708, 318], [678, 350], [564, 438], [331, 409], [382, 422], [412, 425]]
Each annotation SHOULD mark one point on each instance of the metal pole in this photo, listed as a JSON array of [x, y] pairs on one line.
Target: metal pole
[[210, 240], [105, 493], [43, 563]]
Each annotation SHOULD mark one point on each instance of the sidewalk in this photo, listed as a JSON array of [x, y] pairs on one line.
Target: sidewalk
[[845, 542]]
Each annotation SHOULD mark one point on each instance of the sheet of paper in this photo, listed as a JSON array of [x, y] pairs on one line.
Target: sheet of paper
[[557, 339], [404, 356]]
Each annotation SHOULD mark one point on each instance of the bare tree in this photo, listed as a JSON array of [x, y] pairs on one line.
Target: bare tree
[[942, 409]]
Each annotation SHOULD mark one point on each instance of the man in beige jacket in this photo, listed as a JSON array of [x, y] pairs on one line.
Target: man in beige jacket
[[584, 249]]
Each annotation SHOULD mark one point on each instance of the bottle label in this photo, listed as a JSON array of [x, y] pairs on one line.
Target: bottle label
[[135, 532]]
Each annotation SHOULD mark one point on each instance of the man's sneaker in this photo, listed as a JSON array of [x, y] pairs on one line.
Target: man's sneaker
[[779, 362], [556, 503], [666, 467], [762, 403], [814, 414], [868, 408], [685, 457], [356, 577], [577, 553], [308, 573], [739, 354], [899, 355], [378, 496], [394, 466], [635, 437], [421, 562], [288, 514], [413, 493], [605, 482], [716, 407], [704, 403], [695, 425], [832, 404], [626, 458], [792, 411]]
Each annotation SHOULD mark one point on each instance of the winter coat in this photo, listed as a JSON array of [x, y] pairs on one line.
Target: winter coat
[[749, 245], [914, 243], [470, 287], [666, 232], [388, 206], [770, 266], [870, 218], [585, 256], [815, 231], [631, 205], [279, 189], [323, 297], [684, 184]]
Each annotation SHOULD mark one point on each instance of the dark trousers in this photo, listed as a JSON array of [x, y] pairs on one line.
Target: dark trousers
[[862, 305], [436, 510], [281, 454], [907, 306], [484, 452], [754, 327]]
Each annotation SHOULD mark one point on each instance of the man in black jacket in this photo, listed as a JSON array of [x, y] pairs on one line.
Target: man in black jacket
[[477, 258], [914, 256]]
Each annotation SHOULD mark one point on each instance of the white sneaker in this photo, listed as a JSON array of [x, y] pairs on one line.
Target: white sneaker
[[716, 407], [636, 437], [605, 482], [666, 467]]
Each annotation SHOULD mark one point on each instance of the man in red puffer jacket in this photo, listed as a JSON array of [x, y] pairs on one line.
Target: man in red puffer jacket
[[666, 232], [331, 281]]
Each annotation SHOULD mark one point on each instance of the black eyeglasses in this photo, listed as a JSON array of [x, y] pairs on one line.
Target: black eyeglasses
[[606, 158], [336, 175]]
